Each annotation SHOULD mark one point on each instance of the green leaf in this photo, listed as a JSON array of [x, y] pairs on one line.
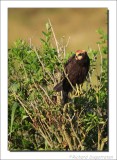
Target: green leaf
[[24, 117], [44, 33], [13, 115], [42, 40], [14, 87]]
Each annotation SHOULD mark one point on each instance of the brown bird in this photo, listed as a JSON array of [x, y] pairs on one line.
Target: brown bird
[[76, 69]]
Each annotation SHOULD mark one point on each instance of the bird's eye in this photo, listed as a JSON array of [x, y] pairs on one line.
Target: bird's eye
[[80, 54]]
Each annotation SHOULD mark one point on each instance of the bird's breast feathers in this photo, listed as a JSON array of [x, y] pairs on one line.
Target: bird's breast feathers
[[76, 72]]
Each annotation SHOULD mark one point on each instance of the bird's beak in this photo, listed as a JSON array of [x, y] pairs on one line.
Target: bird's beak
[[76, 57]]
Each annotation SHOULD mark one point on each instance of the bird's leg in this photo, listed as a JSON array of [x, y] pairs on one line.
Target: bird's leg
[[78, 90]]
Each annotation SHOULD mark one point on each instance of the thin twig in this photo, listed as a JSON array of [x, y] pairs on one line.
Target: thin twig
[[67, 42], [40, 92], [44, 136], [67, 137], [104, 140], [16, 97], [99, 138], [54, 132], [54, 36], [43, 67], [45, 129], [46, 93], [64, 51], [70, 120], [69, 80], [30, 42], [100, 62]]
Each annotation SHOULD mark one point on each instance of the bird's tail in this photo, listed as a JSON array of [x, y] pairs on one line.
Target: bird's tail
[[59, 87], [65, 97]]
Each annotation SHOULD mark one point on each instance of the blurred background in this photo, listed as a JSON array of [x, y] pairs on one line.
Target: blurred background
[[80, 24]]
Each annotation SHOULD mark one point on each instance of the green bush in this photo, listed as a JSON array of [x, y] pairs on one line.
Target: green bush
[[36, 118]]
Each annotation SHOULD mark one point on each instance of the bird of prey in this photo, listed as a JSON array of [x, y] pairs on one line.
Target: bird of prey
[[76, 69]]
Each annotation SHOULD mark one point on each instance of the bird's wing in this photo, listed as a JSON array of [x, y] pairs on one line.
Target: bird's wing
[[69, 60]]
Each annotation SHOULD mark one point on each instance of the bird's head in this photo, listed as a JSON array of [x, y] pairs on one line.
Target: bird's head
[[80, 54]]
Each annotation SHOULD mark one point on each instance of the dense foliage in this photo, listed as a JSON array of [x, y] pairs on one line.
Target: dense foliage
[[36, 118]]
